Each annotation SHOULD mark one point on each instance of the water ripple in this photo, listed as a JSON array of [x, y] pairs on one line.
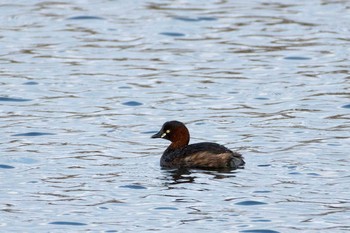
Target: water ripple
[[32, 134], [68, 223], [9, 99], [83, 86], [172, 34], [4, 166], [249, 203], [84, 17]]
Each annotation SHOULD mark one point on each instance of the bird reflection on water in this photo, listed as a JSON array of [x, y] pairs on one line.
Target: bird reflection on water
[[184, 175]]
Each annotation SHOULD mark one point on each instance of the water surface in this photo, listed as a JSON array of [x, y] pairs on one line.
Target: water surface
[[84, 85]]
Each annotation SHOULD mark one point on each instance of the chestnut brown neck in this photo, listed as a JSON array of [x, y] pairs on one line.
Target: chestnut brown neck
[[180, 138]]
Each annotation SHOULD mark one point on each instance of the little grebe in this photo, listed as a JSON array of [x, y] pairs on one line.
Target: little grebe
[[205, 155]]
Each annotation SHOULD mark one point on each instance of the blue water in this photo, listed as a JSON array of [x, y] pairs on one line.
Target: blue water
[[84, 84]]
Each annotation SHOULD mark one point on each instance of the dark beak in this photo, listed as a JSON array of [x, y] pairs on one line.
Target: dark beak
[[157, 135]]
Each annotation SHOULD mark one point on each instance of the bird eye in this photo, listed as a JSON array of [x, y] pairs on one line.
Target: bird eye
[[164, 134]]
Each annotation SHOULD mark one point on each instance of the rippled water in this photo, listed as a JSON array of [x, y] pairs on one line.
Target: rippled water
[[85, 83]]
